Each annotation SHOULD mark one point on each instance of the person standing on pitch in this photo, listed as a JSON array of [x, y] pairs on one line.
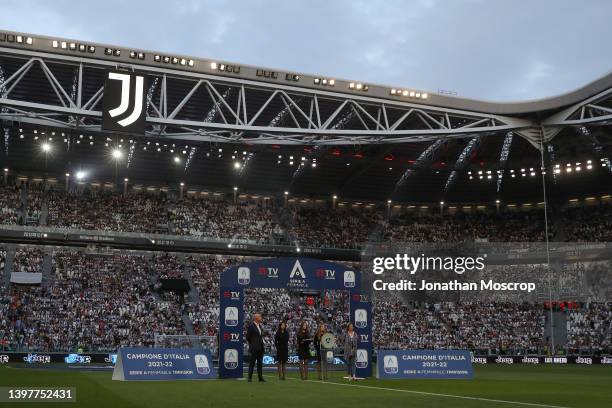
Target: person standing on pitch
[[281, 342], [350, 350], [256, 347], [320, 354], [303, 343]]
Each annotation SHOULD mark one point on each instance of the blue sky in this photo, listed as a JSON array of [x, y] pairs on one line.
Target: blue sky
[[499, 50]]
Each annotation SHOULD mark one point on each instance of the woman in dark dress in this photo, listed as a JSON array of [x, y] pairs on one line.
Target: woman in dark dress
[[281, 342], [303, 344]]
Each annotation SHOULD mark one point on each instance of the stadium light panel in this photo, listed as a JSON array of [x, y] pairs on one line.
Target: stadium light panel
[[46, 147], [117, 154]]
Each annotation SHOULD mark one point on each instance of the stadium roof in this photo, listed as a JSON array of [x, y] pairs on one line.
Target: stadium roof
[[365, 140]]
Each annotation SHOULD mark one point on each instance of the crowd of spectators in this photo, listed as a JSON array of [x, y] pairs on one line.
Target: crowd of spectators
[[169, 266], [28, 259], [588, 224], [265, 221], [34, 200], [516, 226], [101, 301], [589, 329], [10, 203], [205, 272], [255, 221], [334, 228], [104, 210], [505, 328], [93, 302]]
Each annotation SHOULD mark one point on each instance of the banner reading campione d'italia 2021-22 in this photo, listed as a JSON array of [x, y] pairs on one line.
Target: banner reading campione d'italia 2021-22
[[294, 274], [139, 363], [434, 364]]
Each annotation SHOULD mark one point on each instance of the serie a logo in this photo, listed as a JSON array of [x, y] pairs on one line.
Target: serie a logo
[[349, 279], [231, 316], [230, 359], [362, 358], [244, 275], [123, 103], [390, 365], [361, 318], [202, 365]]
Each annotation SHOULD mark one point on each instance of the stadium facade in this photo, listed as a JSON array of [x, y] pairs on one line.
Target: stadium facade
[[235, 161]]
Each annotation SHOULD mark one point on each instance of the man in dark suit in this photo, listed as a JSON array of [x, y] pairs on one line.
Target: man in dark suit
[[254, 336]]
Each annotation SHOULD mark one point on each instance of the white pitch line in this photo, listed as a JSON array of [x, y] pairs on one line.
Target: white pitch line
[[433, 394]]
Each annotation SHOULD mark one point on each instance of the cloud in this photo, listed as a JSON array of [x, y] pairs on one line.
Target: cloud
[[499, 50]]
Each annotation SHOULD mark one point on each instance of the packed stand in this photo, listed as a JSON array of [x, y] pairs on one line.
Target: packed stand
[[10, 203], [467, 227], [28, 259], [34, 199], [589, 329], [588, 224], [93, 302], [169, 266], [254, 221], [205, 272], [504, 328], [104, 210], [334, 228]]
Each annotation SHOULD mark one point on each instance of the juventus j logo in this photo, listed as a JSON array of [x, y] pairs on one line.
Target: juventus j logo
[[123, 103]]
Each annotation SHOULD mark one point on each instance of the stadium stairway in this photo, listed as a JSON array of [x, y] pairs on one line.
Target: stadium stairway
[[8, 263], [188, 324], [194, 297], [46, 268], [557, 327], [44, 208]]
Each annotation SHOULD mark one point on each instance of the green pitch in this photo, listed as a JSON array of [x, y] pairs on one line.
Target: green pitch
[[493, 386]]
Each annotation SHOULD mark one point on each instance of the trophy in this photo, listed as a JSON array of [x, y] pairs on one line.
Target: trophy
[[328, 343]]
